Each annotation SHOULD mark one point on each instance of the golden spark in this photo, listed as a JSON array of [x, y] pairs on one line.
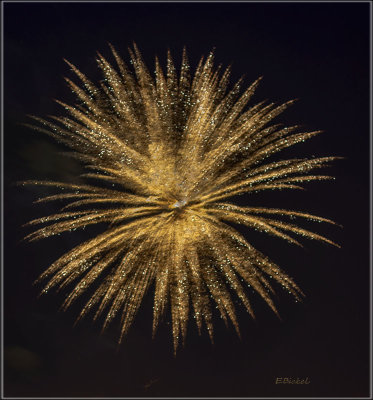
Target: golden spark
[[171, 150]]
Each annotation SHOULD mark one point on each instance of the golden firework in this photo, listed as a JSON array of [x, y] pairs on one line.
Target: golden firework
[[171, 150]]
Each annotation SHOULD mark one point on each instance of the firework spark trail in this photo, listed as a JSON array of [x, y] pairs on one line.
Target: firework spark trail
[[172, 147]]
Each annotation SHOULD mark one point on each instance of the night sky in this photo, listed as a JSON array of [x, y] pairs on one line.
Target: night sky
[[315, 52]]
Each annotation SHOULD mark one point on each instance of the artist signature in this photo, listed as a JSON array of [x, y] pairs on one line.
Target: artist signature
[[293, 381]]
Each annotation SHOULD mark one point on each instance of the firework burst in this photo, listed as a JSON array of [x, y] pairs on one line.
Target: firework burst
[[171, 149]]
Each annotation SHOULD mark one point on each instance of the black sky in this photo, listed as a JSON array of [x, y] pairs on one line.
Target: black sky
[[316, 52]]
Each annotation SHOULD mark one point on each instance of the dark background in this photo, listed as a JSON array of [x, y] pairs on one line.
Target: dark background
[[316, 52]]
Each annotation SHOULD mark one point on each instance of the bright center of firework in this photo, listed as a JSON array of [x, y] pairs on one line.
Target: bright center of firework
[[179, 204]]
